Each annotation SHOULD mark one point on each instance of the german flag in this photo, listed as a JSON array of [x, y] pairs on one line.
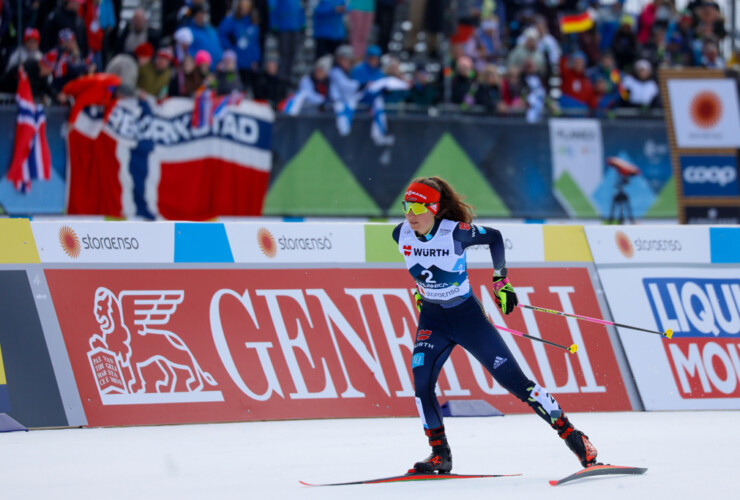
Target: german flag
[[576, 23]]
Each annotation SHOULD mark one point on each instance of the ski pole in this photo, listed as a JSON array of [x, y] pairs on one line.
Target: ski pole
[[573, 348], [668, 333]]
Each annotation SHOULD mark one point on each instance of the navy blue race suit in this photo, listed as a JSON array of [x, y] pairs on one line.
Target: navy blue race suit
[[449, 320]]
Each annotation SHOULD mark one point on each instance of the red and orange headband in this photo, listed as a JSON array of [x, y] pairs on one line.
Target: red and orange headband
[[421, 193]]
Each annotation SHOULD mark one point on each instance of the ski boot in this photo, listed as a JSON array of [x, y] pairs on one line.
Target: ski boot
[[440, 460], [577, 441]]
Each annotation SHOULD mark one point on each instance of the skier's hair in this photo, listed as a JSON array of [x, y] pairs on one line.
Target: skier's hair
[[451, 204]]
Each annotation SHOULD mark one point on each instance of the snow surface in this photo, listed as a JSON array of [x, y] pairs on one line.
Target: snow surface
[[689, 455]]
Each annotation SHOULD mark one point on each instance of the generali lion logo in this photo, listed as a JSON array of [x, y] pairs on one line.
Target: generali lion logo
[[134, 360], [624, 244], [69, 241], [266, 242], [705, 109]]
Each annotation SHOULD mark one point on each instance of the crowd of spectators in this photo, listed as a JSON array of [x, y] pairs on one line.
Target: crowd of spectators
[[496, 56]]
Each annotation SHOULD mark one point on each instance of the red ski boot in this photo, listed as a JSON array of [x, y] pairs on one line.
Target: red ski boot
[[440, 460], [577, 441]]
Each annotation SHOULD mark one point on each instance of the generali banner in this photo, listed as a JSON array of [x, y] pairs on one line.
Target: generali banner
[[176, 346]]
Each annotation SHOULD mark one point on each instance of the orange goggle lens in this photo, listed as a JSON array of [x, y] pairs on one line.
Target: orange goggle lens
[[417, 208]]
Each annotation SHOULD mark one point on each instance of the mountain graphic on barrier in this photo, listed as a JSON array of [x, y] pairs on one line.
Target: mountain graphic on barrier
[[665, 204], [449, 161], [316, 182], [570, 195]]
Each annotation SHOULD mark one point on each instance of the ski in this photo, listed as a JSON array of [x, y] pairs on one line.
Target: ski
[[600, 470], [411, 477]]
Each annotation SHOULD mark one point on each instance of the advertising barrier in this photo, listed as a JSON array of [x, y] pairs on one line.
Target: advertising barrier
[[154, 323], [286, 242], [88, 242], [172, 346], [661, 278]]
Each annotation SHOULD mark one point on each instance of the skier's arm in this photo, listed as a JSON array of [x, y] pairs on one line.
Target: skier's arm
[[468, 235], [397, 232]]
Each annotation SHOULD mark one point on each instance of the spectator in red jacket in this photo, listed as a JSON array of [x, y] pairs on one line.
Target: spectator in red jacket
[[578, 92], [95, 34]]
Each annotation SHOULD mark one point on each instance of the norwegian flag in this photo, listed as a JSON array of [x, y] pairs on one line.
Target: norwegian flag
[[203, 109], [209, 107], [224, 102], [31, 157]]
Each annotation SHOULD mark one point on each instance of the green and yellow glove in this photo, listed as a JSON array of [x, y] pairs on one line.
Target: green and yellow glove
[[505, 294], [417, 296]]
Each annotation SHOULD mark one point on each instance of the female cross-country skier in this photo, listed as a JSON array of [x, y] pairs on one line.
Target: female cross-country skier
[[433, 240]]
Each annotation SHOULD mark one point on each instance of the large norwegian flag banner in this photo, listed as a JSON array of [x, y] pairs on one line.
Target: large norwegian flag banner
[[153, 161], [31, 157]]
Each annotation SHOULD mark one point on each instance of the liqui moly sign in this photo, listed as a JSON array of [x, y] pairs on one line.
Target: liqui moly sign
[[704, 315], [167, 346]]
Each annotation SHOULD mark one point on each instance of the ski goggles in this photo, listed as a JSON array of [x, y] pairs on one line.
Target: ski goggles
[[417, 208]]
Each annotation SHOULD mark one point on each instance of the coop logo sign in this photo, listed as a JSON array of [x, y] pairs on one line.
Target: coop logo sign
[[712, 175], [296, 243], [709, 175]]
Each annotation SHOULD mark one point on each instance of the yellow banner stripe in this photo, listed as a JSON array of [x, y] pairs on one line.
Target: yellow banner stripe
[[17, 245], [2, 370], [566, 244]]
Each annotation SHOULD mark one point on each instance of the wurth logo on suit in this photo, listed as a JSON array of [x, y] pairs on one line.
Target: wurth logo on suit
[[429, 252], [421, 337]]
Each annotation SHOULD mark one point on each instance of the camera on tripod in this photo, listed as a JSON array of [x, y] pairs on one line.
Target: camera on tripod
[[620, 201]]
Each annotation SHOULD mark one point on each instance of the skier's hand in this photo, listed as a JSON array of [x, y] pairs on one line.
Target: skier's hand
[[505, 294], [417, 296]]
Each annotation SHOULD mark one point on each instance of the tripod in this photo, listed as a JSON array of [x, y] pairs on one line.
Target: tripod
[[620, 201]]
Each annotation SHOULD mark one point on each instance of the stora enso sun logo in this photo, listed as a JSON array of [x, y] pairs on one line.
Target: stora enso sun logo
[[705, 109], [624, 244], [266, 242], [69, 241]]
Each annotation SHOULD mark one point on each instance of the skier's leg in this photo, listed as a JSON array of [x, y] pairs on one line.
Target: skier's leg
[[484, 342], [431, 351]]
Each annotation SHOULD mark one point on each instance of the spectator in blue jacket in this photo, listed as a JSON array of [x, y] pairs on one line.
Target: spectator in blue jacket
[[205, 36], [240, 32], [328, 26], [369, 70], [287, 20]]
